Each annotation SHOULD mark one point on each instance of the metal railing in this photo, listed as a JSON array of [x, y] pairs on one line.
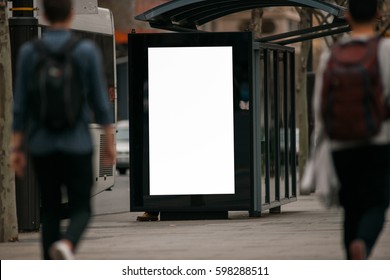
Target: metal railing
[[274, 131]]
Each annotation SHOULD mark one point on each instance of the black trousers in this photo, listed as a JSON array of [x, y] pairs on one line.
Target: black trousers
[[364, 174], [74, 173]]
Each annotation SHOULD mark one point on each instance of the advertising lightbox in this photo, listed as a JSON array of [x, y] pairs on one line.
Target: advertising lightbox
[[185, 127], [189, 136]]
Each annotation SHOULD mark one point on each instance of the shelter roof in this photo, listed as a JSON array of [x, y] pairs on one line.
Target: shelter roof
[[186, 15]]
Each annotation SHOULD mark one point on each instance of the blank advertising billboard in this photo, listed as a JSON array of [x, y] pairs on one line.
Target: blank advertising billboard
[[190, 139], [191, 125]]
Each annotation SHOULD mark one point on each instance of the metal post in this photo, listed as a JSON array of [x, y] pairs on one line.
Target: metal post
[[256, 108], [23, 8], [286, 129], [266, 125], [276, 124], [24, 27], [293, 128]]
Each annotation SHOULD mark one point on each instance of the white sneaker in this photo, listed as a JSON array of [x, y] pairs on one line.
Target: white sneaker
[[61, 251]]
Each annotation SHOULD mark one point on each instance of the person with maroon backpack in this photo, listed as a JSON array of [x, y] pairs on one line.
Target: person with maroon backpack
[[351, 106]]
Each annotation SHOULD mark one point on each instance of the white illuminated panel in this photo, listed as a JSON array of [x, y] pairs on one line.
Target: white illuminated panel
[[191, 126]]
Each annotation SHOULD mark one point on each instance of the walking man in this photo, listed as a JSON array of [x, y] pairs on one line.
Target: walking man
[[60, 156], [351, 105]]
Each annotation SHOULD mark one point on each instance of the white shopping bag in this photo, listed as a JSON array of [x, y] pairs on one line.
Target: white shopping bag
[[320, 175]]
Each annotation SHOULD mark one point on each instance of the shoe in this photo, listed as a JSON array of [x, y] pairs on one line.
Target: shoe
[[357, 250], [61, 251], [147, 217]]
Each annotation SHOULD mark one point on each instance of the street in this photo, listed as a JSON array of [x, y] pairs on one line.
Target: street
[[115, 201], [305, 230]]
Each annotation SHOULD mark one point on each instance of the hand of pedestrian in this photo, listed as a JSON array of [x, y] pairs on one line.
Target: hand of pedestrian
[[18, 162], [109, 155]]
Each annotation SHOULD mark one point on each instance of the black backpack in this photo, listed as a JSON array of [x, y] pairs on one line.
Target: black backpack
[[353, 104], [56, 89]]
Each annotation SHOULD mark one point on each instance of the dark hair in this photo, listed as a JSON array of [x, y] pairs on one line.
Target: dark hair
[[363, 10], [57, 10]]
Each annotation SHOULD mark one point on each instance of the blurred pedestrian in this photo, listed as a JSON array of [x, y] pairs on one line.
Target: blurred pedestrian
[[60, 156], [351, 103]]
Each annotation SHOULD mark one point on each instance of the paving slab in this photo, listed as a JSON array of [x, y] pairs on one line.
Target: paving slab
[[304, 230]]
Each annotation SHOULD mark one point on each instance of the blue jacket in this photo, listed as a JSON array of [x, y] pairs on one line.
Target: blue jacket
[[78, 140]]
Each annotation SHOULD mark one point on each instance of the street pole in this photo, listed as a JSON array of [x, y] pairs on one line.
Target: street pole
[[8, 217], [23, 27]]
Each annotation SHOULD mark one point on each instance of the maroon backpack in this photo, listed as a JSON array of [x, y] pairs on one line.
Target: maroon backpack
[[353, 104]]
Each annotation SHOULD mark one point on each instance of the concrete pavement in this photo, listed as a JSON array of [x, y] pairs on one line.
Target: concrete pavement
[[303, 231]]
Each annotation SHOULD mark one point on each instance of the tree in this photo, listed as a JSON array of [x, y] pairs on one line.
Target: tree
[[8, 218], [256, 22], [301, 92], [384, 24]]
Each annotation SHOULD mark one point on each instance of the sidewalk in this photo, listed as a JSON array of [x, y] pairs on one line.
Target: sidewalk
[[303, 231]]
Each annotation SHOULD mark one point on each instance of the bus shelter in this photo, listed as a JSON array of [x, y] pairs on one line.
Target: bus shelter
[[212, 115]]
